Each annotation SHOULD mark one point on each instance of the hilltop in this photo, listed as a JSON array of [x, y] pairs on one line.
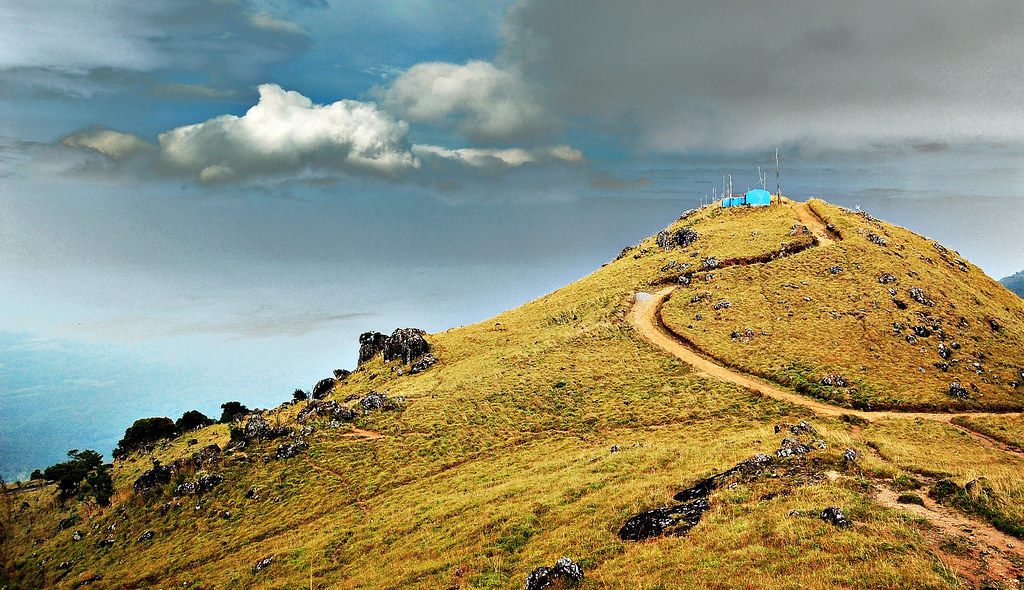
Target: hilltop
[[572, 427], [1014, 283]]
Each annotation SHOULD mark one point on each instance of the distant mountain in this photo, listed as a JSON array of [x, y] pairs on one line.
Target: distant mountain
[[1015, 283]]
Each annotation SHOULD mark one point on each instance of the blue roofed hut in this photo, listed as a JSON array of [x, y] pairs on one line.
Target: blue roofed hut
[[758, 197]]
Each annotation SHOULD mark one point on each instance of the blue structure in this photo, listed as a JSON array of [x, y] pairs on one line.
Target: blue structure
[[758, 197]]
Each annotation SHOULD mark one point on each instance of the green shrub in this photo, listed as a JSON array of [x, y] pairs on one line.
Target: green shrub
[[191, 420], [143, 431]]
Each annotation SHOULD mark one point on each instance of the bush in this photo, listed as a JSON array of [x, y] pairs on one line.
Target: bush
[[143, 431], [300, 395], [36, 475], [191, 420], [101, 485], [232, 410]]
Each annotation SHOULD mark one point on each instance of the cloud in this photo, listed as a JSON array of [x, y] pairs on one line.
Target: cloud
[[729, 74], [108, 142], [58, 45], [285, 133], [499, 159], [484, 102]]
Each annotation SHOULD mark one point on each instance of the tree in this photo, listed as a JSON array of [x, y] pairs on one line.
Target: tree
[[37, 474], [143, 431], [300, 395], [101, 485], [69, 474], [90, 458], [191, 420], [232, 410]]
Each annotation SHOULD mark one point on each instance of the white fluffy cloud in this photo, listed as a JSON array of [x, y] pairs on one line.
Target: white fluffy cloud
[[286, 133], [483, 101]]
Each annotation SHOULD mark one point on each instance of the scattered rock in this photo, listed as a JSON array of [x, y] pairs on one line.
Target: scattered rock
[[834, 515], [615, 449], [958, 390], [671, 521], [922, 331], [709, 263], [833, 380], [323, 387], [193, 442], [876, 239], [793, 450], [325, 409], [911, 339], [67, 522], [886, 278], [253, 494], [704, 487], [994, 325], [945, 352], [566, 573], [917, 294], [721, 305], [105, 543], [423, 364], [374, 400], [146, 536], [77, 536], [340, 374], [851, 455], [406, 344], [65, 564], [200, 486], [836, 270], [262, 564], [287, 451]]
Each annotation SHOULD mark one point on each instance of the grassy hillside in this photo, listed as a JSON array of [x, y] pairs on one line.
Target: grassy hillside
[[540, 433], [849, 309]]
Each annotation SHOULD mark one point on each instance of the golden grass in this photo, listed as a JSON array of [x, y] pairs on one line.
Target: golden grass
[[499, 461]]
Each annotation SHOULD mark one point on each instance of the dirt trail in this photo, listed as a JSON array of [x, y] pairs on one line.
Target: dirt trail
[[366, 434], [988, 554], [645, 317], [812, 221]]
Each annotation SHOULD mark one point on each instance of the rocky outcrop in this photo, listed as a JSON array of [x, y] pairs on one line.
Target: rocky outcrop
[[406, 344], [323, 387], [370, 344], [682, 238], [672, 521], [157, 476], [262, 564], [257, 428], [565, 574], [325, 409], [374, 400]]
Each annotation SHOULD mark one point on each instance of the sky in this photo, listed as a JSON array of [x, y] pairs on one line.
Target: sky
[[209, 200]]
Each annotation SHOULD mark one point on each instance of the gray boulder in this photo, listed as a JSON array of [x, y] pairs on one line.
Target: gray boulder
[[566, 573], [406, 344], [323, 387]]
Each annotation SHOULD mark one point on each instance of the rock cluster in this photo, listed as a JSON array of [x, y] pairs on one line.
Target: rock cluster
[[262, 564], [287, 451], [374, 400], [958, 390], [565, 573], [325, 409], [200, 486], [423, 364], [682, 238], [257, 428]]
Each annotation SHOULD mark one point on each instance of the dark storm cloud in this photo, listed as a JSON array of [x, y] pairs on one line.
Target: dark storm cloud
[[739, 74]]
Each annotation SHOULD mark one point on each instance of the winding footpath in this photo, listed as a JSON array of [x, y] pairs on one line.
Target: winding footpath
[[645, 317]]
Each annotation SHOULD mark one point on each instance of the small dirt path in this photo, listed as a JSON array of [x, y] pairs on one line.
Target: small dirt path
[[988, 554], [812, 221], [366, 434]]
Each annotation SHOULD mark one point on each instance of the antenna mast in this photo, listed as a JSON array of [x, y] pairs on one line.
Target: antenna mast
[[778, 185]]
